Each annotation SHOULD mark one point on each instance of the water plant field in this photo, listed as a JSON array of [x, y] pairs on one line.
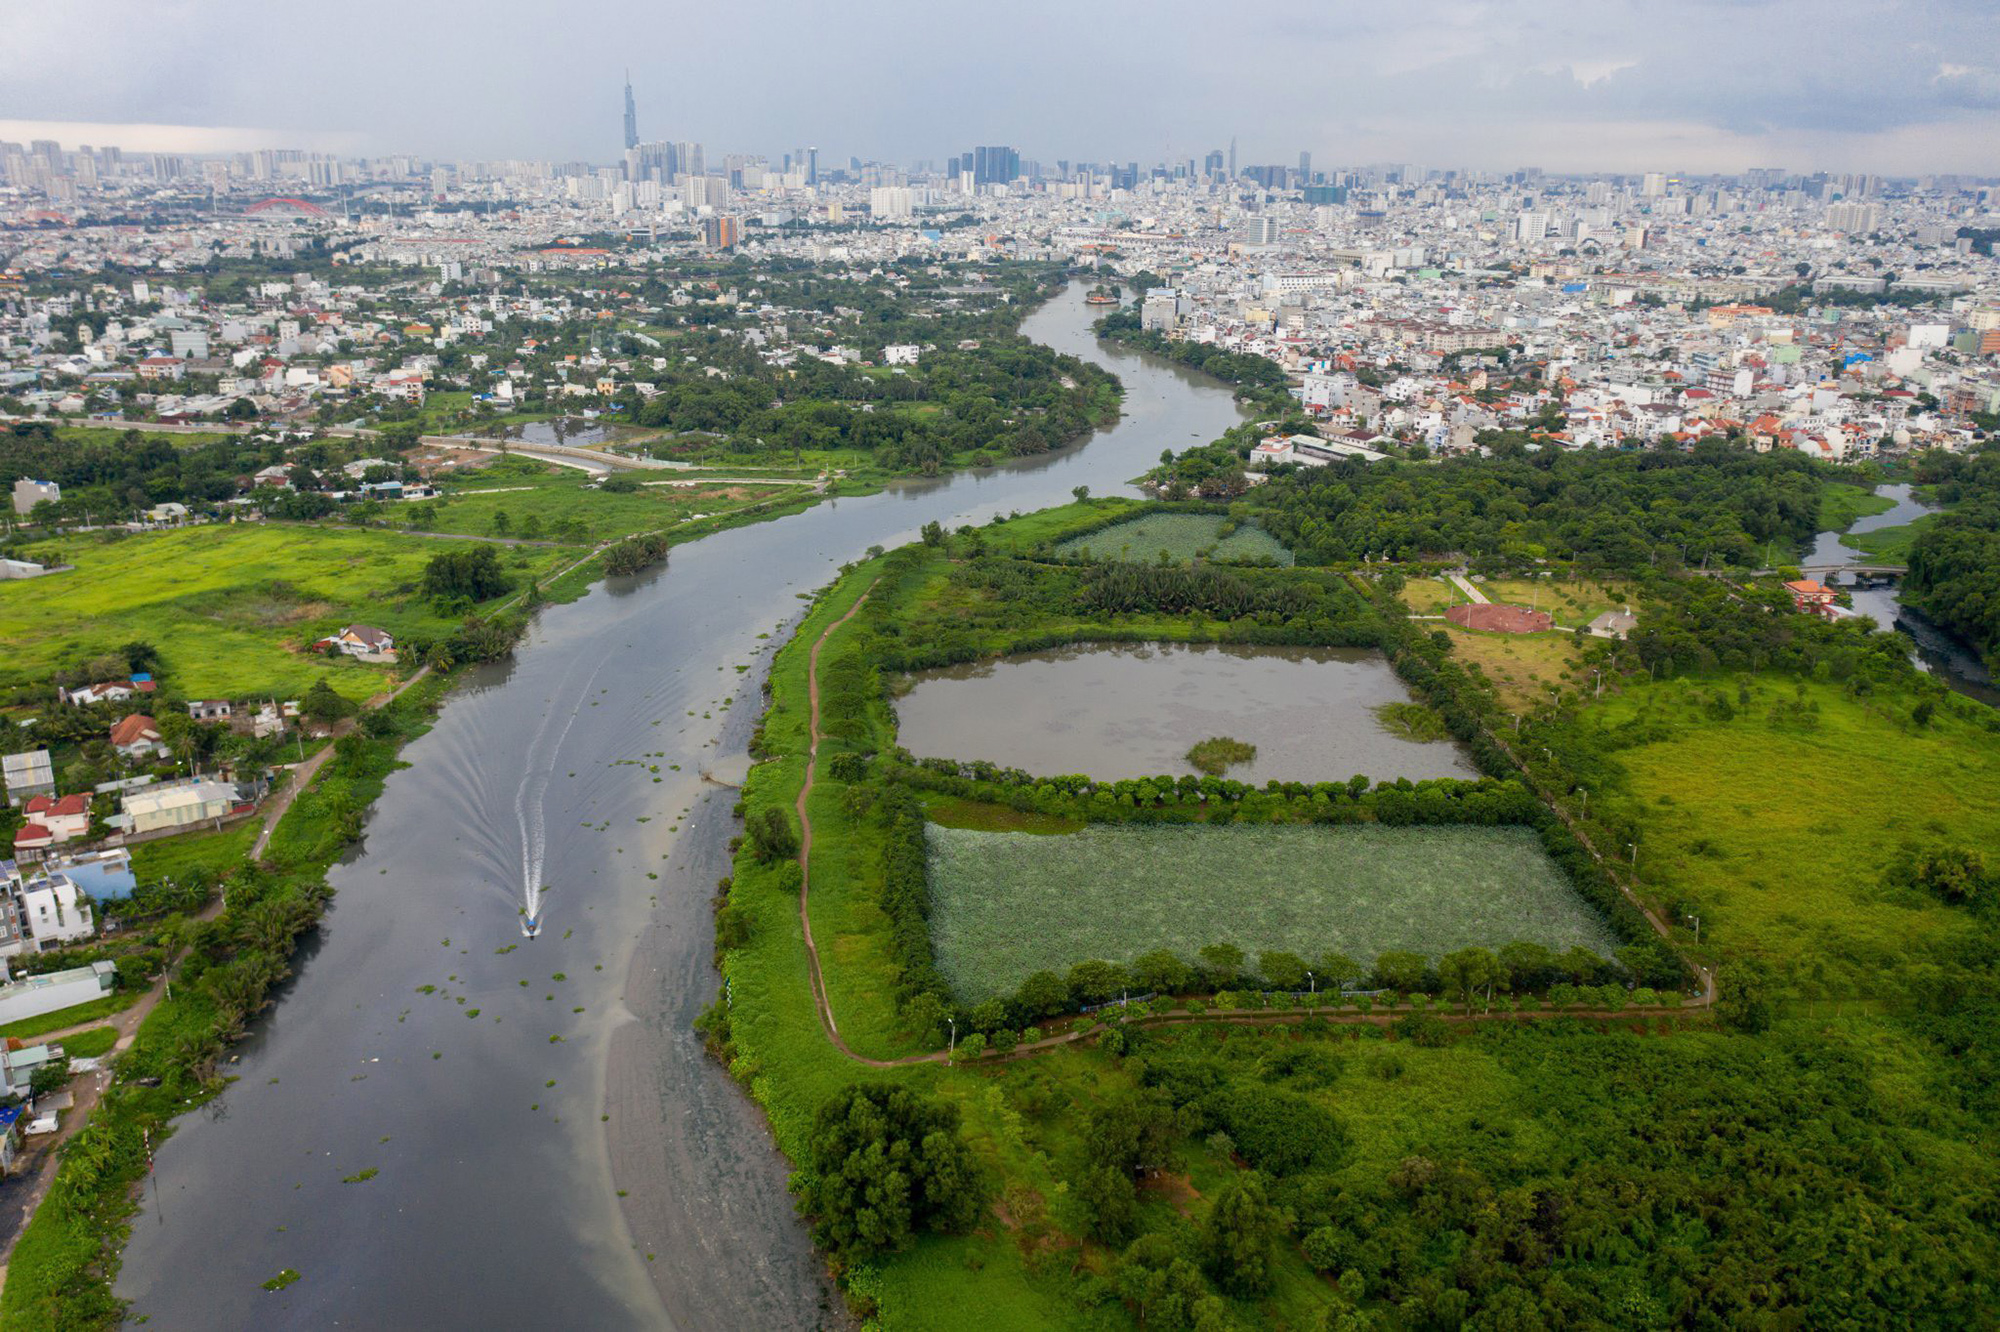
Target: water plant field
[[1181, 537], [1006, 905]]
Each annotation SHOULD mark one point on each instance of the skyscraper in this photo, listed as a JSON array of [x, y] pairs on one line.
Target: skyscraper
[[1305, 167], [812, 166], [631, 114], [1232, 157]]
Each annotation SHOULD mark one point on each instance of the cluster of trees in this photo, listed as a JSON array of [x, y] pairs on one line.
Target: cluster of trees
[[1472, 977], [1617, 1181], [1955, 561], [1624, 510], [882, 1165], [469, 574], [635, 553], [1256, 376]]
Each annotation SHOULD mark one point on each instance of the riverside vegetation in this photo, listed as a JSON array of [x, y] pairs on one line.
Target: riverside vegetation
[[1183, 1166]]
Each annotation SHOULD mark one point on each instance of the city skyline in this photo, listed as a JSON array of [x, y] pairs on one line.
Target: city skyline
[[1480, 85]]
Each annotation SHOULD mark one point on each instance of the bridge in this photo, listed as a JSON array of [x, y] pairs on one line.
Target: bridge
[[1827, 572]]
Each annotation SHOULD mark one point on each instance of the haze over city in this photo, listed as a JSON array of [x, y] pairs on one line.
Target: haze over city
[[1714, 85]]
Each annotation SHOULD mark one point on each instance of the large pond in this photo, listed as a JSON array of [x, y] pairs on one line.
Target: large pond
[[1134, 710]]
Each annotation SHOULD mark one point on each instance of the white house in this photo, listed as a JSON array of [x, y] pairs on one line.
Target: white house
[[55, 912], [178, 804], [901, 353]]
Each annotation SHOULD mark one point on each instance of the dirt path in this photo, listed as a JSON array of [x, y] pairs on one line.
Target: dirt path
[[303, 774], [90, 1090], [814, 975]]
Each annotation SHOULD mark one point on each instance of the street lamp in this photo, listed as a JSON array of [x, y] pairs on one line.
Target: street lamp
[[1697, 926], [1586, 800], [954, 1035], [1633, 847], [1312, 986]]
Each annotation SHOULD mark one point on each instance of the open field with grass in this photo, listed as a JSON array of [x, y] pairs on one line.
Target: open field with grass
[[1571, 601], [1779, 825], [538, 499], [1180, 537], [1840, 505], [230, 606], [1889, 545], [1522, 667], [1006, 905]]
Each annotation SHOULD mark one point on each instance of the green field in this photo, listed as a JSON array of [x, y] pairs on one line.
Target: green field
[[1180, 537], [537, 498], [1890, 545], [1840, 505], [229, 606], [1005, 905], [1778, 826]]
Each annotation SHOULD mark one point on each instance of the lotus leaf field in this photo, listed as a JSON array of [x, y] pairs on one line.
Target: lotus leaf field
[[1006, 905], [1180, 536]]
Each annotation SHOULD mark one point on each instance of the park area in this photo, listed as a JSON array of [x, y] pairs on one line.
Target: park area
[[1005, 905], [523, 499], [1181, 537], [229, 606]]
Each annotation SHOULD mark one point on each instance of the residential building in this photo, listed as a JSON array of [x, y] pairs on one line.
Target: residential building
[[175, 805], [137, 736], [27, 494]]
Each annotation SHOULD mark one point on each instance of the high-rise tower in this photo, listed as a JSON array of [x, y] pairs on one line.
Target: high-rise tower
[[1232, 157], [631, 114]]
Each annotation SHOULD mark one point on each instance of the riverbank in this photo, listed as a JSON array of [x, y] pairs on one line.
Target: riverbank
[[236, 952], [578, 755]]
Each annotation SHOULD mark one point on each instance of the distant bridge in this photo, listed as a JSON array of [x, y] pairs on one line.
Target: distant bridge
[[1823, 572], [304, 207]]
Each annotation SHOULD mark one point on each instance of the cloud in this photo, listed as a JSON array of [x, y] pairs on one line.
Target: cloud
[[151, 138], [1493, 83]]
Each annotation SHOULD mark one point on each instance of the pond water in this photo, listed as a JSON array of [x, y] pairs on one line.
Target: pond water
[[1133, 710], [573, 431]]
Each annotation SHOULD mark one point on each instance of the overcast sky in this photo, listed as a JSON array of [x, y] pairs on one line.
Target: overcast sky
[[1911, 86]]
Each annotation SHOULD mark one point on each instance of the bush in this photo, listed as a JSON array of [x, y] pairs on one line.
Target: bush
[[881, 1165], [773, 836]]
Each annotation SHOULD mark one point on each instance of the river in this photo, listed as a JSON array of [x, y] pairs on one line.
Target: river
[[1938, 650], [507, 1091]]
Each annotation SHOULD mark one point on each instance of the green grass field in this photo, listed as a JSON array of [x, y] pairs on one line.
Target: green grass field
[[1890, 545], [229, 606], [537, 497], [1779, 833], [1005, 905], [1840, 505], [1180, 537]]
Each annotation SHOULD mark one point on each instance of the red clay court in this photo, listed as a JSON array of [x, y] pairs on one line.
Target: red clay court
[[1498, 619]]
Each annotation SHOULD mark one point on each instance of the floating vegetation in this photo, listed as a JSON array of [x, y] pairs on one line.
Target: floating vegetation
[[1217, 754]]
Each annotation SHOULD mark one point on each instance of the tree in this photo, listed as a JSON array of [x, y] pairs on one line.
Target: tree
[[773, 836], [1109, 1201], [1223, 960], [472, 573], [323, 705], [883, 1164], [1043, 994], [1469, 971], [1336, 970], [240, 410], [1160, 972], [933, 535], [1744, 1002], [1399, 969], [1239, 1236], [1080, 493], [1284, 971], [1161, 1283]]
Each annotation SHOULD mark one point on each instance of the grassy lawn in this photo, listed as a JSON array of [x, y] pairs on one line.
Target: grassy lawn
[[1180, 537], [1429, 596], [89, 1011], [116, 434], [537, 497], [1006, 905], [229, 606], [1840, 505], [1522, 667], [1571, 602], [174, 857], [1779, 831], [92, 1044], [1889, 545]]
